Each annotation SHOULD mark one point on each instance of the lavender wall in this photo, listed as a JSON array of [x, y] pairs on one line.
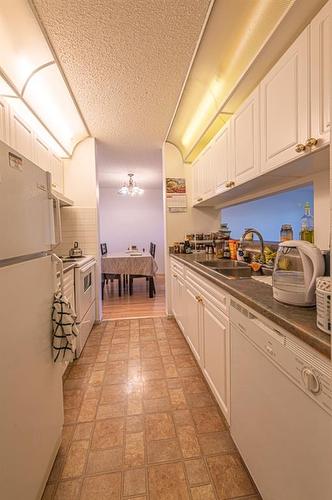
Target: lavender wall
[[269, 213], [128, 221]]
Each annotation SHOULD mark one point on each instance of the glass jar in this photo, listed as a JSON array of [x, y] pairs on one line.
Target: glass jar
[[286, 232]]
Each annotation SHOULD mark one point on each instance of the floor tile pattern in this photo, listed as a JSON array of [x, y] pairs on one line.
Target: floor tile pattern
[[141, 423]]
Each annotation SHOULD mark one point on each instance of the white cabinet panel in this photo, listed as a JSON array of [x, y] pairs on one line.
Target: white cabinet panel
[[221, 152], [196, 182], [57, 173], [285, 106], [216, 355], [320, 61], [207, 174], [177, 290], [245, 128], [192, 322], [42, 155], [4, 121], [21, 136]]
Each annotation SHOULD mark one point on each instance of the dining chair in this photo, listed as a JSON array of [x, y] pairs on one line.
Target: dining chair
[[149, 279], [109, 276]]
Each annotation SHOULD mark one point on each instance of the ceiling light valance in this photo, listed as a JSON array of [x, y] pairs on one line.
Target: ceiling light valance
[[32, 82]]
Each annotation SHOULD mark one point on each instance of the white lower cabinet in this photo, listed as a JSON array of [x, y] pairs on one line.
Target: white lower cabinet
[[216, 355], [193, 317], [177, 288], [201, 311]]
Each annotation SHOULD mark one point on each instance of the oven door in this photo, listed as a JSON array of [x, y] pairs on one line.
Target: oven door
[[85, 289]]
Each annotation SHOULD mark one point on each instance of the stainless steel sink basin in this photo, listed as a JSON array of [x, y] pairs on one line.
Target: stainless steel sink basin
[[232, 269], [223, 264], [235, 273]]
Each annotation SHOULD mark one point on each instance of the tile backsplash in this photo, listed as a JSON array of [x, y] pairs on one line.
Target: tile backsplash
[[79, 224]]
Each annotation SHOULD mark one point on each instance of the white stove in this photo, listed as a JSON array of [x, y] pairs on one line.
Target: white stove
[[85, 296]]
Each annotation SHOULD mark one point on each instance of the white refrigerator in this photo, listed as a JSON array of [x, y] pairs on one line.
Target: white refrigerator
[[31, 398]]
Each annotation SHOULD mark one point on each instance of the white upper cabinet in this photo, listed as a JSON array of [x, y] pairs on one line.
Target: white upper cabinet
[[4, 121], [207, 174], [42, 155], [196, 181], [286, 117], [245, 133], [320, 58], [285, 106], [203, 177], [57, 173], [220, 159], [22, 137]]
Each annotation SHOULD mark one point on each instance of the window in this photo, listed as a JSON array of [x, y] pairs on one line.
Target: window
[[269, 213]]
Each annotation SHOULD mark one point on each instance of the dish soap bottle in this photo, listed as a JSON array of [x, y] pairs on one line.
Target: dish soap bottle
[[240, 253], [307, 225]]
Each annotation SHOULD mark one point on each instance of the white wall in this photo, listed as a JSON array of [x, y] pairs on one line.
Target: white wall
[[80, 176], [81, 221], [193, 220], [126, 221]]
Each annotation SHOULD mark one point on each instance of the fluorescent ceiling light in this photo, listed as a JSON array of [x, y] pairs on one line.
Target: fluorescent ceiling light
[[28, 71]]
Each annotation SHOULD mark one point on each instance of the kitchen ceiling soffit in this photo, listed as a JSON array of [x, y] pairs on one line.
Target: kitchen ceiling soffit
[[32, 82], [241, 42]]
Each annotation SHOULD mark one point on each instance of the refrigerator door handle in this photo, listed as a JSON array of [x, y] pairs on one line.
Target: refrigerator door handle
[[57, 228], [59, 261]]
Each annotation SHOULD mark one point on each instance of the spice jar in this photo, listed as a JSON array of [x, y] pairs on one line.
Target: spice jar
[[286, 232]]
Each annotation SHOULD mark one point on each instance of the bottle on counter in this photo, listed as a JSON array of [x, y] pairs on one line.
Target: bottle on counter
[[240, 253], [227, 252], [307, 225], [233, 249], [286, 232], [187, 247]]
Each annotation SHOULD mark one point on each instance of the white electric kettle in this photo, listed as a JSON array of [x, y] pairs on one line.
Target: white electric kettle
[[297, 265]]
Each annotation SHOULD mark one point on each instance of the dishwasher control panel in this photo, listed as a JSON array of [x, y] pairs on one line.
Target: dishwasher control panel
[[311, 373]]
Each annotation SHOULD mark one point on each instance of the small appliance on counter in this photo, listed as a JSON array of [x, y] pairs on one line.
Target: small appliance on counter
[[297, 265], [323, 299], [76, 251]]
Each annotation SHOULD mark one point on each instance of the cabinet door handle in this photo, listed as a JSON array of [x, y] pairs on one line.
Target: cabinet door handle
[[230, 184], [175, 275], [311, 142], [299, 148], [200, 199]]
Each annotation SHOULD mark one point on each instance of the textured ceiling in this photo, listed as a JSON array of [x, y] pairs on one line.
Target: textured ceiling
[[125, 61]]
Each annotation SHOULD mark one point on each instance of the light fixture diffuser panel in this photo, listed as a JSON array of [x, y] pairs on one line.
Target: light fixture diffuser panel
[[23, 47], [47, 94]]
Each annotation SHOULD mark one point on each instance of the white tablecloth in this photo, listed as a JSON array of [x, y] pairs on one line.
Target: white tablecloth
[[128, 264]]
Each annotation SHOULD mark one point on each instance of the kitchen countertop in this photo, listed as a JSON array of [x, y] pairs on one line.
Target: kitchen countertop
[[299, 321]]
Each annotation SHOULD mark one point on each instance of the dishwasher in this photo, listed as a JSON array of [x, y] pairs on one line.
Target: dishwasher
[[280, 409]]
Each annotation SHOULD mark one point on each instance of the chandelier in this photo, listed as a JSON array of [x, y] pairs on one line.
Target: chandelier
[[130, 188]]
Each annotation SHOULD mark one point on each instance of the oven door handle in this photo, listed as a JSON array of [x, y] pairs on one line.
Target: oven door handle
[[87, 266]]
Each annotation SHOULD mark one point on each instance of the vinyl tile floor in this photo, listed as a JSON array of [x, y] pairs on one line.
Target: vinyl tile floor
[[141, 422]]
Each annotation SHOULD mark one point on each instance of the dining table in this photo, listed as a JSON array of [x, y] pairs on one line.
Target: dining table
[[126, 263]]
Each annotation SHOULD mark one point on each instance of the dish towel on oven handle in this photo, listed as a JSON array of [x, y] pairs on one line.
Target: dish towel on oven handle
[[64, 329]]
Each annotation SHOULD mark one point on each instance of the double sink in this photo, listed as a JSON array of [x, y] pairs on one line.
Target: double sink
[[232, 269]]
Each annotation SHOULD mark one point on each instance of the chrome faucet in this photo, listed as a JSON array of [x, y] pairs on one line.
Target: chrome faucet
[[260, 237]]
